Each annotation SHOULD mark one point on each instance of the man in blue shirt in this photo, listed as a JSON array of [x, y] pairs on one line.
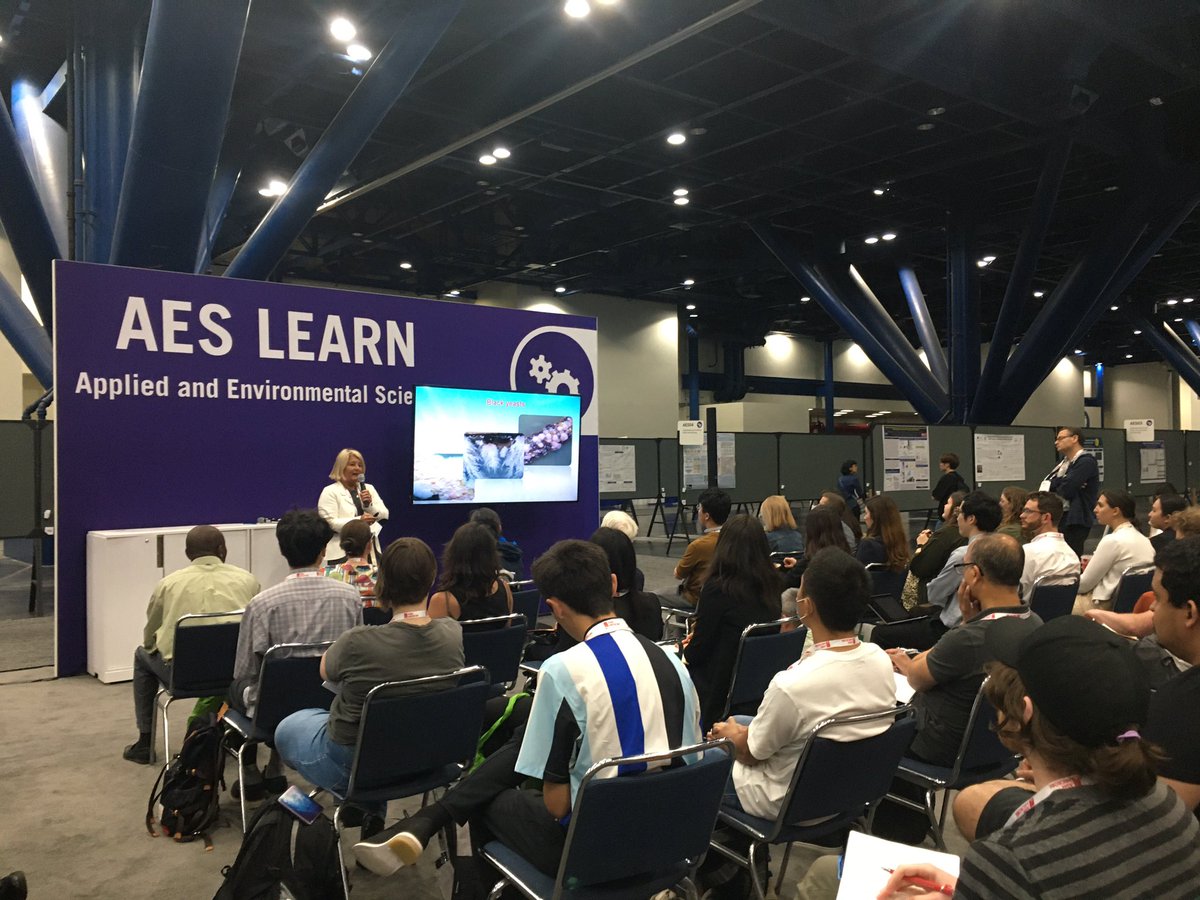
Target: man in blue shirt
[[614, 693]]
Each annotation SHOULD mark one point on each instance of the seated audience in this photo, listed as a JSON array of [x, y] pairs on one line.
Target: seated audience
[[511, 565], [775, 513], [885, 541], [951, 481], [850, 526], [208, 585], [1070, 697], [624, 523], [1161, 516], [839, 676], [320, 745], [357, 570], [1047, 554], [742, 589], [712, 509], [1012, 501], [573, 723], [822, 528], [934, 547], [471, 586], [1121, 547]]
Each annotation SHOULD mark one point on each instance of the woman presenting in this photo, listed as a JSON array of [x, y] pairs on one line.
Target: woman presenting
[[349, 497]]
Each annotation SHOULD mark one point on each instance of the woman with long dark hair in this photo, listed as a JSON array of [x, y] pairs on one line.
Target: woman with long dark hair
[[885, 541], [822, 528], [742, 589], [471, 586]]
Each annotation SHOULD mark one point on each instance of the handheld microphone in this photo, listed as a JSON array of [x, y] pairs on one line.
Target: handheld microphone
[[362, 479]]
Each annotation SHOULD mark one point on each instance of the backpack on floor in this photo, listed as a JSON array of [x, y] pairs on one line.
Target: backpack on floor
[[189, 786], [278, 850]]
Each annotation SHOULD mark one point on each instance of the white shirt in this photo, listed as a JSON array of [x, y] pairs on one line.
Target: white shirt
[[1048, 556], [1121, 548], [827, 683], [336, 507]]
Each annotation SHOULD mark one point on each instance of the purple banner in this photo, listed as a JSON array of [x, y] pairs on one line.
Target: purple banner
[[188, 399]]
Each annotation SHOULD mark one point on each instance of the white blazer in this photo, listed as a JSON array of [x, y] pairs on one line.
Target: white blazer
[[336, 507]]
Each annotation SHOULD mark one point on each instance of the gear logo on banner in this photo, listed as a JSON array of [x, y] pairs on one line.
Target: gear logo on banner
[[553, 361]]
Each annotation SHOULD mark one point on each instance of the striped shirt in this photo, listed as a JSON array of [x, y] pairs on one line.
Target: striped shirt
[[1081, 843], [614, 694]]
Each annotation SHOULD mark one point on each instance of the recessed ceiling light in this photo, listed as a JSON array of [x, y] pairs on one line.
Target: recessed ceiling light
[[358, 53], [871, 240], [675, 138], [935, 110], [1111, 187], [1189, 300], [1114, 308], [888, 235], [688, 282], [1172, 302], [1137, 331], [1179, 320], [1156, 101], [356, 234], [577, 9], [1079, 353], [406, 265], [694, 316], [274, 188], [926, 126], [560, 290], [981, 263], [989, 259], [452, 293], [342, 29], [1039, 293], [682, 201], [501, 153], [680, 192], [879, 192], [487, 159], [691, 306], [805, 299], [1129, 356], [608, 2]]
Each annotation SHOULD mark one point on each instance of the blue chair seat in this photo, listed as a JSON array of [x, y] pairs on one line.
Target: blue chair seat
[[410, 787], [535, 883], [808, 834]]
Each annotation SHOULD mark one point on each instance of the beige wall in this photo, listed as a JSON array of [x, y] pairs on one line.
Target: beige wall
[[1143, 391]]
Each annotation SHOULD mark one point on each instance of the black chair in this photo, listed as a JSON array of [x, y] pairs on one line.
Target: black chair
[[496, 643], [1134, 582], [835, 784], [288, 681], [981, 757], [1050, 601], [527, 600], [413, 736], [666, 817], [763, 652], [205, 650], [886, 582]]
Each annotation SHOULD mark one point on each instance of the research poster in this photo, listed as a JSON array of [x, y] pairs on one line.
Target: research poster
[[618, 465], [1153, 462], [1000, 457], [1095, 446], [695, 464], [905, 458]]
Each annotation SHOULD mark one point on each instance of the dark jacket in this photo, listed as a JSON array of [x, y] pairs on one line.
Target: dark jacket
[[931, 559], [1080, 487], [947, 485], [851, 489]]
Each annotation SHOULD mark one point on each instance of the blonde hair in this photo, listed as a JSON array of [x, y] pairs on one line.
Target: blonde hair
[[342, 459], [776, 513], [1187, 521], [621, 521]]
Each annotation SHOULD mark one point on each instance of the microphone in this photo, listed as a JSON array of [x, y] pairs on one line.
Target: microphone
[[362, 479]]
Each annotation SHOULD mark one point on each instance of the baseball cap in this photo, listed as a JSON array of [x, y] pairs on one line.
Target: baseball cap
[[1085, 679]]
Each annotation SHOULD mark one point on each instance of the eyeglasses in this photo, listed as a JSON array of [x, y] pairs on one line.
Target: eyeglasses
[[959, 566], [1030, 512]]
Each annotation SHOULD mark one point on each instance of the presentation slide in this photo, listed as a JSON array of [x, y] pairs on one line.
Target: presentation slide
[[474, 446]]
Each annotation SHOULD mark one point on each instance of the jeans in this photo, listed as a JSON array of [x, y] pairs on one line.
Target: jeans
[[302, 741], [150, 671]]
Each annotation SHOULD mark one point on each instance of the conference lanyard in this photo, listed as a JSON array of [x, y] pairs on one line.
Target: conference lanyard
[[411, 614], [825, 645], [305, 575], [606, 626], [1002, 615], [1071, 781]]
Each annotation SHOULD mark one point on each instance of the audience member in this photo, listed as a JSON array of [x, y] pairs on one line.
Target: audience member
[[775, 513], [851, 488], [850, 525], [208, 585], [1047, 554], [934, 547], [1076, 479], [612, 678], [951, 481], [1012, 501], [885, 541], [822, 528], [320, 744], [349, 498], [1123, 546], [1070, 697], [357, 570], [1162, 512], [838, 676], [624, 523], [742, 589], [305, 608], [471, 586], [512, 566], [639, 609], [712, 509]]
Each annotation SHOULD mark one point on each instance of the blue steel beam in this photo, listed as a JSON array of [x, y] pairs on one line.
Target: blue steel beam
[[191, 59], [26, 335], [1020, 279], [43, 142], [25, 222], [417, 33], [693, 376], [926, 330], [962, 297], [1193, 328], [1172, 348], [928, 407], [830, 428]]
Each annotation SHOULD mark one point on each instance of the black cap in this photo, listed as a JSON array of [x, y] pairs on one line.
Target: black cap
[[1085, 679]]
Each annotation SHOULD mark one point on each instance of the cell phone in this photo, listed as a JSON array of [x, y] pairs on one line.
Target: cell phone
[[300, 805]]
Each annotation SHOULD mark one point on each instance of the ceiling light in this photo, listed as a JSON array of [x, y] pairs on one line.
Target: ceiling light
[[406, 265], [342, 29], [1172, 302], [989, 259], [1189, 300], [871, 240], [935, 110], [682, 201], [1156, 101], [1114, 308], [888, 235], [691, 306], [879, 192], [608, 2], [560, 289], [358, 53], [982, 263], [688, 282], [452, 294], [1039, 293], [1179, 320], [577, 9], [694, 316], [926, 126], [487, 159], [274, 188], [1129, 356], [501, 153], [675, 138], [1079, 353], [680, 192], [1111, 187], [1137, 331], [805, 299]]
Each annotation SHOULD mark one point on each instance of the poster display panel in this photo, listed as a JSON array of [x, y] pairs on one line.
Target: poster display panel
[[905, 458], [695, 464], [618, 468], [1000, 457], [1153, 459]]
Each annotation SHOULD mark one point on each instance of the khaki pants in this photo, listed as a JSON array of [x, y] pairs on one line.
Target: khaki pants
[[821, 882], [1084, 602]]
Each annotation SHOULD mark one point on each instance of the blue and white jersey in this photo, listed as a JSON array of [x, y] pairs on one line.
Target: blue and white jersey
[[614, 694]]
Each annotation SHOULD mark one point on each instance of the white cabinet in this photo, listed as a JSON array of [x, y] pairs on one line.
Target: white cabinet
[[123, 568]]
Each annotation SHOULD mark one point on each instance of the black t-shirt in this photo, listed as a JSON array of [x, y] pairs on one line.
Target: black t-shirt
[[947, 485], [1174, 725]]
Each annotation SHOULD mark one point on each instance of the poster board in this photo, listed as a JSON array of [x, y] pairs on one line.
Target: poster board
[[1169, 459], [694, 466], [810, 463], [1038, 456], [906, 458], [17, 511], [1000, 457], [1116, 469], [645, 472], [942, 439]]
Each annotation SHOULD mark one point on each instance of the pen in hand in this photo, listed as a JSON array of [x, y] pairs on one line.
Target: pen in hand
[[947, 889]]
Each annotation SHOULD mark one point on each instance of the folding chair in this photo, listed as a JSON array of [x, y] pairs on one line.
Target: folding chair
[[205, 649], [1134, 582], [835, 785], [677, 616], [496, 643], [666, 817], [413, 736], [763, 652], [884, 581], [288, 681], [981, 757], [1050, 601], [526, 601]]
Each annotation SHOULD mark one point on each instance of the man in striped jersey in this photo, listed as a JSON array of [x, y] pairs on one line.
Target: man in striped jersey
[[614, 693]]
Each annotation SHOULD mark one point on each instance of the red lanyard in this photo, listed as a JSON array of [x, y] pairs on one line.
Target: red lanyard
[[1071, 781], [1001, 615]]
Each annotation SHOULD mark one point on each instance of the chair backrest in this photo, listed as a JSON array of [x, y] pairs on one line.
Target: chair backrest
[[1134, 582], [290, 680], [413, 727], [980, 748], [526, 602], [763, 652], [205, 649], [845, 778], [1050, 601], [496, 644], [886, 582], [666, 817]]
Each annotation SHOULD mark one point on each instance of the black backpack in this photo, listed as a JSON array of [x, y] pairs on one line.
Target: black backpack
[[279, 850], [189, 785]]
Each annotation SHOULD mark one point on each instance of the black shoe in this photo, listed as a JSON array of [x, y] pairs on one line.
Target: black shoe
[[255, 791], [137, 753], [274, 785], [371, 826], [399, 846], [13, 886]]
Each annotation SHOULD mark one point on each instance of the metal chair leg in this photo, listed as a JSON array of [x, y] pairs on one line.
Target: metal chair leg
[[242, 780], [337, 833], [934, 824], [166, 725], [498, 889], [782, 870], [689, 889], [760, 890]]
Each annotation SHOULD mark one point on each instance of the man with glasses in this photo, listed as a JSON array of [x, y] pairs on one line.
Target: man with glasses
[[1047, 554], [1076, 479]]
